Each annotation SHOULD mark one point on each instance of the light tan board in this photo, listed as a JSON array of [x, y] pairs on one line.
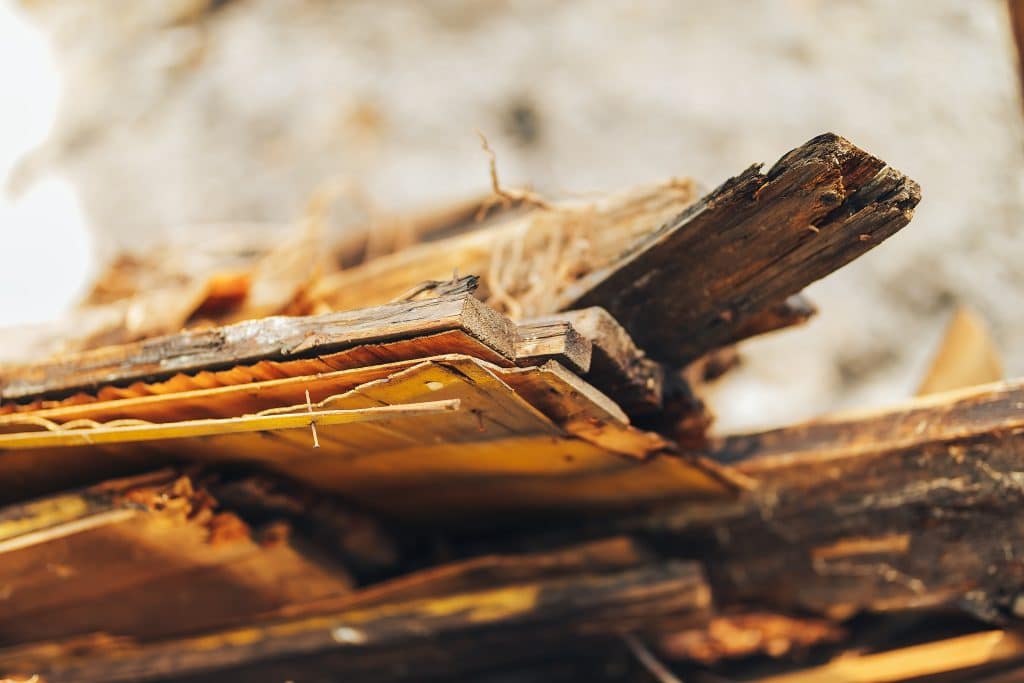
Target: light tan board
[[497, 452]]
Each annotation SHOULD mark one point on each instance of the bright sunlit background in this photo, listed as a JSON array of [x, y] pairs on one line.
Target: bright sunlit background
[[174, 113], [45, 248]]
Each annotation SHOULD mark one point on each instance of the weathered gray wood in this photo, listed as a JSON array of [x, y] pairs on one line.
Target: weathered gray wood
[[544, 340], [267, 338], [757, 239], [618, 368]]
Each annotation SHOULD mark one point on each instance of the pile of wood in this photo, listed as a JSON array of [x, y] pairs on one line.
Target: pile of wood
[[407, 474]]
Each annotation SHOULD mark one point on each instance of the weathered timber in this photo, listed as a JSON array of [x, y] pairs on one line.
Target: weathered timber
[[914, 508], [794, 310], [394, 445], [146, 558], [389, 234], [557, 340], [989, 409], [581, 410], [401, 641], [506, 255], [255, 387], [268, 338], [617, 367], [485, 572], [757, 239]]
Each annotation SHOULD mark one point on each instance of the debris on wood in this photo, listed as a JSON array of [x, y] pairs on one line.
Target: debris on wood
[[316, 460]]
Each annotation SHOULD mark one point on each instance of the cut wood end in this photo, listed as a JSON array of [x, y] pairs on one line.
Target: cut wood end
[[747, 245]]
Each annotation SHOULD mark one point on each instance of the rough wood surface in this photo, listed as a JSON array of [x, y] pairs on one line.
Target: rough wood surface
[[498, 453], [400, 641], [556, 340], [111, 558], [581, 410], [757, 239], [910, 509], [591, 234], [268, 338], [794, 310], [618, 368], [266, 381]]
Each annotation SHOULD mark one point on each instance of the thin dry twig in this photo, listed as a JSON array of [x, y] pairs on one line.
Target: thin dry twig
[[502, 195], [312, 423]]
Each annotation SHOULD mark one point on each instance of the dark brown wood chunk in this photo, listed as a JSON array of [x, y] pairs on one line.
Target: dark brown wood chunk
[[757, 239], [617, 367]]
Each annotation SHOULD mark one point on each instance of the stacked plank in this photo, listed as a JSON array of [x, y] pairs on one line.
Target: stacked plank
[[508, 473]]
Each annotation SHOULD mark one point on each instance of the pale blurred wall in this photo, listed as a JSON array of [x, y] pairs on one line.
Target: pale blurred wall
[[183, 112], [45, 248]]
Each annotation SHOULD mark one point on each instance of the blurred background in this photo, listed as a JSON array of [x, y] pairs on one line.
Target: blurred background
[[124, 124]]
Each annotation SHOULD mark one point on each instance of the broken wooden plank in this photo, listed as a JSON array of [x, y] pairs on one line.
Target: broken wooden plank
[[498, 453], [949, 416], [581, 410], [757, 239], [618, 368], [272, 338], [910, 509], [266, 381], [405, 640], [506, 255], [389, 234], [794, 310], [484, 572], [556, 340], [144, 558]]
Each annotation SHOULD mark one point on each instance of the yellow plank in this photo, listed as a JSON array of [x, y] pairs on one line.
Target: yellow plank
[[951, 654], [497, 453], [104, 433]]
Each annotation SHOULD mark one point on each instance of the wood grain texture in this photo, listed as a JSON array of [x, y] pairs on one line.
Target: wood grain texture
[[581, 410], [265, 382], [618, 367], [400, 641], [609, 224], [557, 340], [944, 656], [144, 558], [755, 240], [274, 338], [915, 508], [794, 310], [497, 453]]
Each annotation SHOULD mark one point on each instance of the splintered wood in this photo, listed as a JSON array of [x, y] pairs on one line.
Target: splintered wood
[[377, 470]]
